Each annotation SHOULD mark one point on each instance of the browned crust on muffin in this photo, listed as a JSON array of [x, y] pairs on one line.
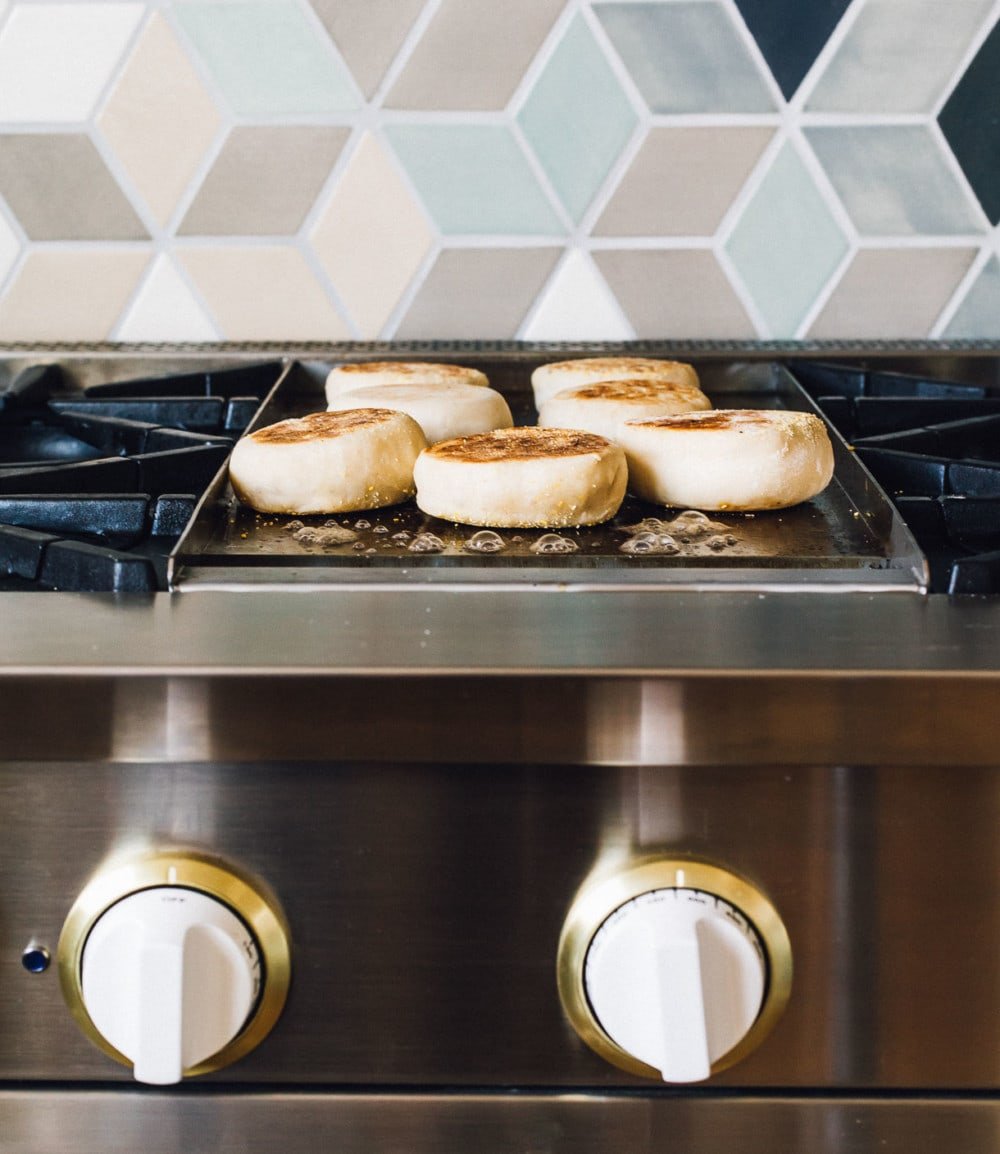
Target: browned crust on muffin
[[639, 389], [645, 367], [322, 426], [406, 369], [520, 444], [719, 419]]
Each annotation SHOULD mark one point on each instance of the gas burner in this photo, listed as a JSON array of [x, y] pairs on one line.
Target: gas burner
[[97, 485], [934, 446]]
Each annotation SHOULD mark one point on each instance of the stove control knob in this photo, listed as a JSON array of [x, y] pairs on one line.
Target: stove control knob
[[673, 969], [175, 964]]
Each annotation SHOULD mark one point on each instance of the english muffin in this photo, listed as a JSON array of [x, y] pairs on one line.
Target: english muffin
[[442, 411], [604, 407], [357, 375], [547, 380]]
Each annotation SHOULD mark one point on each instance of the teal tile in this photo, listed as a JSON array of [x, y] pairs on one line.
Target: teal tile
[[266, 58], [894, 181], [474, 179], [786, 244], [686, 56], [577, 119], [978, 316]]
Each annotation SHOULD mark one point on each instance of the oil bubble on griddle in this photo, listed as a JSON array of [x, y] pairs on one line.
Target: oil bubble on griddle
[[649, 543], [330, 534], [553, 543], [690, 528], [485, 541], [426, 543]]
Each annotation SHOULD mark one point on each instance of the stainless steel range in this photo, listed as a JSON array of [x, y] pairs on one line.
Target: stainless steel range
[[332, 839]]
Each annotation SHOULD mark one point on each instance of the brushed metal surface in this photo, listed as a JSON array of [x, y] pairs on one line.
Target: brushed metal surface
[[163, 1123], [426, 901]]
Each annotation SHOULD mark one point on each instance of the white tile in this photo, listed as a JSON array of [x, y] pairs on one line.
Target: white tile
[[165, 309], [577, 305], [55, 59]]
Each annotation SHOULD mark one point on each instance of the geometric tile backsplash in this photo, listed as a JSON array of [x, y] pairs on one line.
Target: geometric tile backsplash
[[205, 170]]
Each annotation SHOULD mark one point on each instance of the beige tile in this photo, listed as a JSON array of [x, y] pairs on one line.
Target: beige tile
[[265, 292], [59, 188], [74, 295], [892, 293], [371, 237], [264, 181], [160, 121], [478, 293], [368, 33], [675, 293], [450, 69], [682, 181]]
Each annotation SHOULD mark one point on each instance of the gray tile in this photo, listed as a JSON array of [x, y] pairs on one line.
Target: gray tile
[[894, 181], [686, 56], [892, 293], [674, 293], [478, 293], [264, 181], [450, 70], [368, 33], [978, 315], [682, 181], [59, 188]]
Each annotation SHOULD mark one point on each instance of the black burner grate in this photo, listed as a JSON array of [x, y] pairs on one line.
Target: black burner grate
[[934, 447], [97, 485]]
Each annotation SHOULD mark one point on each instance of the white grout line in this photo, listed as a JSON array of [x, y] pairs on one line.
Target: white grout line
[[958, 173], [817, 70], [962, 290], [971, 51], [403, 54]]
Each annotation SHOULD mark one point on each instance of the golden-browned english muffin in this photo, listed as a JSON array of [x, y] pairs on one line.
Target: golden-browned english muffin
[[523, 477], [442, 411], [604, 407], [741, 459], [354, 376], [547, 380], [328, 462]]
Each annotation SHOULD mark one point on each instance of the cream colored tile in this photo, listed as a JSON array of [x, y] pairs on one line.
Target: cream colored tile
[[675, 293], [893, 293], [682, 181], [263, 293], [368, 33], [371, 237], [74, 295], [160, 120]]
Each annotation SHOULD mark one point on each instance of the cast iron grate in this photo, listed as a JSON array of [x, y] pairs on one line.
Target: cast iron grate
[[934, 447], [97, 486]]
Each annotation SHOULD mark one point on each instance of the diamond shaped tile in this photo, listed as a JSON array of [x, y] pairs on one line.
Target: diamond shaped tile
[[674, 293], [683, 180], [894, 293], [55, 59], [978, 316], [894, 181], [264, 292], [369, 33], [165, 309], [686, 56], [479, 293], [371, 237], [577, 305], [473, 179], [898, 57], [450, 70], [266, 58], [791, 34], [250, 191], [70, 295], [786, 244], [969, 123], [159, 120], [577, 119], [10, 247], [59, 188]]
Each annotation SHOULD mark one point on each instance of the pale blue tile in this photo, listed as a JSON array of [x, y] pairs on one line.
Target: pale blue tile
[[686, 57], [267, 58], [894, 181], [577, 119], [898, 57], [786, 244], [978, 316], [474, 179]]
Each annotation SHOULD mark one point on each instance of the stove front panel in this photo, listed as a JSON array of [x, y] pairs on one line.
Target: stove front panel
[[426, 903]]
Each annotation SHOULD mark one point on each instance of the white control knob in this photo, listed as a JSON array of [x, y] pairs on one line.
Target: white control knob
[[174, 964], [169, 977], [673, 969]]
